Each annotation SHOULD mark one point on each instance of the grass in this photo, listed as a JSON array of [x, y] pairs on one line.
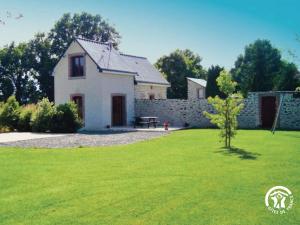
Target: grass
[[182, 178]]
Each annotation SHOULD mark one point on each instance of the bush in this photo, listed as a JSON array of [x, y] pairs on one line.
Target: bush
[[26, 113], [9, 114], [42, 118], [66, 119]]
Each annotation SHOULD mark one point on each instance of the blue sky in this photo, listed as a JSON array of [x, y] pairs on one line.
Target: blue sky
[[217, 30]]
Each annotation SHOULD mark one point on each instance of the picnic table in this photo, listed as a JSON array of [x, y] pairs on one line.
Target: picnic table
[[147, 120]]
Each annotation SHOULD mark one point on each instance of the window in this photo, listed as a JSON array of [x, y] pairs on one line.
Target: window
[[78, 99], [200, 93], [151, 96], [77, 66]]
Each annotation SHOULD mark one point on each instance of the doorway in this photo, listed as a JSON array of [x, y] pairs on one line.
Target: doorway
[[118, 110], [268, 111]]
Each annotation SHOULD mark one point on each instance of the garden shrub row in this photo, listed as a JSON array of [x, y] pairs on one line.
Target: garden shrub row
[[42, 117]]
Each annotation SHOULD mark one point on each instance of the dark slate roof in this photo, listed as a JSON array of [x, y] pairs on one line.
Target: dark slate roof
[[109, 59]]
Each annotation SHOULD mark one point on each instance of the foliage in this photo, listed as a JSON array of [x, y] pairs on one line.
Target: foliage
[[257, 68], [42, 118], [9, 114], [169, 180], [288, 78], [42, 63], [212, 88], [227, 109], [16, 75], [177, 66], [26, 113], [84, 24], [297, 89], [66, 119], [3, 129]]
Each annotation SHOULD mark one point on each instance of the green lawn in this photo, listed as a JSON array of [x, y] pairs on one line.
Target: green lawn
[[182, 178]]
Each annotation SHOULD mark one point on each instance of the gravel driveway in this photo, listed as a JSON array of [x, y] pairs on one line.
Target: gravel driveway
[[86, 139]]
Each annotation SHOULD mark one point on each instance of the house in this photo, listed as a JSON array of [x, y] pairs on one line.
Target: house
[[196, 88], [104, 83]]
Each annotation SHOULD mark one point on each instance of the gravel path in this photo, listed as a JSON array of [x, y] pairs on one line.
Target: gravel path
[[86, 139]]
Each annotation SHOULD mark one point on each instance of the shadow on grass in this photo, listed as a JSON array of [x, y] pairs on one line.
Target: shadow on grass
[[241, 153]]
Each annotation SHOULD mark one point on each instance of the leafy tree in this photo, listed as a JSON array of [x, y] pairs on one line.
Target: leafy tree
[[288, 77], [212, 88], [15, 73], [227, 109], [83, 24], [6, 87], [256, 69], [42, 62], [177, 66]]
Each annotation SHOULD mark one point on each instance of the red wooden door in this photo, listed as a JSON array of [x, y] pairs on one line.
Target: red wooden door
[[268, 111], [118, 110]]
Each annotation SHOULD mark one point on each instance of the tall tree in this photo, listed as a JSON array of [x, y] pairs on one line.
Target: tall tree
[[83, 24], [15, 74], [256, 69], [212, 88], [177, 66], [288, 77], [42, 62]]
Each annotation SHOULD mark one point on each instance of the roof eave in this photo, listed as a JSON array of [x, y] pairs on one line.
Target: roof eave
[[154, 83]]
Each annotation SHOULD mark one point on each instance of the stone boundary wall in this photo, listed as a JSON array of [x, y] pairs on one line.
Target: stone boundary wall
[[180, 112], [290, 113]]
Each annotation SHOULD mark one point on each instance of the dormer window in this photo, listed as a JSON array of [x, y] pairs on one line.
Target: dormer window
[[77, 66]]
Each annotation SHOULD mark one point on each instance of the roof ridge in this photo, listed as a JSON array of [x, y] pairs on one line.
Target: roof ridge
[[93, 41], [133, 56]]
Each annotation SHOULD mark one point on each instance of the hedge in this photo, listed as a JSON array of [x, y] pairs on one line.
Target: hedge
[[42, 117]]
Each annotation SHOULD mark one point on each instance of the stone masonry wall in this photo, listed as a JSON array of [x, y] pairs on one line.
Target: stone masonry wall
[[290, 113], [180, 112]]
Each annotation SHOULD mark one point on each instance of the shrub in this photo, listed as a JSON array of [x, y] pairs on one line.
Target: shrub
[[42, 118], [26, 113], [4, 129], [66, 118], [9, 114]]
